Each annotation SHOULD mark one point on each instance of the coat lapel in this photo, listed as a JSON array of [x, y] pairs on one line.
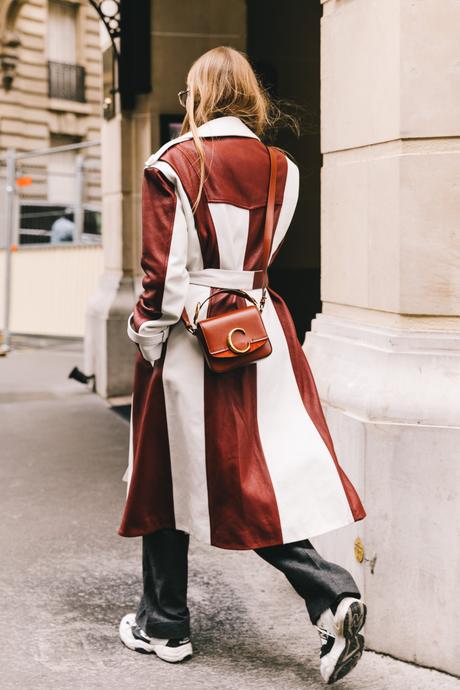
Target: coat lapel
[[227, 126]]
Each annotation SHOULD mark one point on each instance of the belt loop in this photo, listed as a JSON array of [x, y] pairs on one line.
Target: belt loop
[[258, 279]]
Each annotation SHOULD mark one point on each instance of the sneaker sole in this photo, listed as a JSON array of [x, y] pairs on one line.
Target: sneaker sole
[[173, 655], [350, 656], [170, 654], [354, 619]]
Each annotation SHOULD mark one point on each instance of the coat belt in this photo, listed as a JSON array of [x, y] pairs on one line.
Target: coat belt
[[226, 278]]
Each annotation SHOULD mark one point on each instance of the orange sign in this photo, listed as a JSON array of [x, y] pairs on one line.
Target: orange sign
[[23, 181]]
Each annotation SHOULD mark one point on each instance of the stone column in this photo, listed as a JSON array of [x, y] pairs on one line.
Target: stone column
[[126, 142], [385, 350]]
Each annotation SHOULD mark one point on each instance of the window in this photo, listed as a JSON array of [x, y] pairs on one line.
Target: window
[[66, 78], [61, 171], [62, 32], [67, 215]]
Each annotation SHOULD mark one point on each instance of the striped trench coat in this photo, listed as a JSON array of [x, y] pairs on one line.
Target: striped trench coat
[[243, 459]]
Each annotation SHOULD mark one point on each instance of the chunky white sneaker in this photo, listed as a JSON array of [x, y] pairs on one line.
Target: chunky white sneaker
[[341, 645], [134, 638]]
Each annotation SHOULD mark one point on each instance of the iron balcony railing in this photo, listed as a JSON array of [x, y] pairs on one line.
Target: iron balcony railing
[[66, 81]]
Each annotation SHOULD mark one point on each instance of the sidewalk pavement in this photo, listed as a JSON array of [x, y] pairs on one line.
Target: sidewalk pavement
[[67, 577]]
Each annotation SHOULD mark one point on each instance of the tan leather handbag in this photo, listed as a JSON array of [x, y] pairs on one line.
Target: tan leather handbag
[[238, 337]]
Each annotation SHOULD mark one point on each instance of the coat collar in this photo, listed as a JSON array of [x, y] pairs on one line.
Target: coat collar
[[227, 126]]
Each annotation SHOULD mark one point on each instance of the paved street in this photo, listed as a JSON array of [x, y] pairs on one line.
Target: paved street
[[67, 577]]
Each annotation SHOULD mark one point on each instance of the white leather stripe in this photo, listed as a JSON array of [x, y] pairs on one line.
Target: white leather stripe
[[217, 277], [183, 384], [129, 470], [290, 196], [310, 496], [231, 224]]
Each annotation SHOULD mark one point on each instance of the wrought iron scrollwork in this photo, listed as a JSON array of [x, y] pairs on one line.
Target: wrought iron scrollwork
[[109, 12]]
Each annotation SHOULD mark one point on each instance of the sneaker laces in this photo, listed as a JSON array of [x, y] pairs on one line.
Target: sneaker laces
[[324, 634], [327, 626]]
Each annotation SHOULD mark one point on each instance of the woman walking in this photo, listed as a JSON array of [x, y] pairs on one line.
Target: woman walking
[[242, 459]]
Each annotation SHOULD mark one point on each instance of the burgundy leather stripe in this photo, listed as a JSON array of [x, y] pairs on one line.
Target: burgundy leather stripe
[[311, 400], [207, 234], [186, 168], [234, 166], [242, 504], [149, 504], [233, 176], [158, 211]]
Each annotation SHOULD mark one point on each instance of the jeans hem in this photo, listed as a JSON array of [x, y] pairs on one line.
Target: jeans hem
[[315, 611], [166, 630]]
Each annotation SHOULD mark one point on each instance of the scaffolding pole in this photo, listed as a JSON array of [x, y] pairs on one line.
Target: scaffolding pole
[[10, 157], [79, 214], [10, 192]]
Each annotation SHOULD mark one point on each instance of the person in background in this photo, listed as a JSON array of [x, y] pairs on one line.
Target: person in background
[[63, 228]]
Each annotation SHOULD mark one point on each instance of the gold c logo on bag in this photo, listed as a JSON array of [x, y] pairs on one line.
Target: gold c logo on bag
[[232, 346]]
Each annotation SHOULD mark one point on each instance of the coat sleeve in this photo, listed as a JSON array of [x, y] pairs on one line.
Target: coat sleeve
[[164, 258]]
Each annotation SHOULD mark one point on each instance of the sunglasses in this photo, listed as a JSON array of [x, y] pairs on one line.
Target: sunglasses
[[182, 96]]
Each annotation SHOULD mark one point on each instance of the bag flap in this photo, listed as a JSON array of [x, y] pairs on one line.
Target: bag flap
[[244, 326]]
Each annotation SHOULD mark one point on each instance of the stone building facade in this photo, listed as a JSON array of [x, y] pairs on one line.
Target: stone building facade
[[50, 89]]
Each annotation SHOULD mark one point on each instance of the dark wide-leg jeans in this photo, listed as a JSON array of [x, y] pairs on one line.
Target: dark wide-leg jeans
[[163, 610]]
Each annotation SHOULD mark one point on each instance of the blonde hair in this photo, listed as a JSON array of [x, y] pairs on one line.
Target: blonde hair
[[222, 82]]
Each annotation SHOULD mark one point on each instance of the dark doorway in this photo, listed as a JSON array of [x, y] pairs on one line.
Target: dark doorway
[[283, 44]]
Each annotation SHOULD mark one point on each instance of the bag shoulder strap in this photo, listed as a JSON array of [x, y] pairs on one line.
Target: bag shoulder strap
[[268, 230], [269, 215]]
